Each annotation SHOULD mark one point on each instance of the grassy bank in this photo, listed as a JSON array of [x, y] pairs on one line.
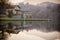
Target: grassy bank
[[26, 19]]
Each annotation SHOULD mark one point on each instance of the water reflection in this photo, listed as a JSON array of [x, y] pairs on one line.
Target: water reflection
[[12, 26], [8, 27], [24, 28]]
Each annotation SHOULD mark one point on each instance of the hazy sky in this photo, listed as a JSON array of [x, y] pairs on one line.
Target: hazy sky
[[31, 1], [39, 1]]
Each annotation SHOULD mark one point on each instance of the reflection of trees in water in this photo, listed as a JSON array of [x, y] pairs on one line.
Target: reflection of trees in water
[[15, 26], [7, 27], [3, 35]]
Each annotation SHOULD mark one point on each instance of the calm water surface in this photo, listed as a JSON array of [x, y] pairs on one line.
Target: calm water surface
[[28, 30]]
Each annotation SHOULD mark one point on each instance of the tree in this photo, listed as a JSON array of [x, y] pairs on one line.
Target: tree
[[3, 6]]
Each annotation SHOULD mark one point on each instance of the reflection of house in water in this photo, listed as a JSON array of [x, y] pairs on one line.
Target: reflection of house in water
[[10, 28], [13, 27], [27, 23]]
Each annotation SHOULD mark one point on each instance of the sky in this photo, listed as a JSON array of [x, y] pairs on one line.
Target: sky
[[39, 1], [14, 2]]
